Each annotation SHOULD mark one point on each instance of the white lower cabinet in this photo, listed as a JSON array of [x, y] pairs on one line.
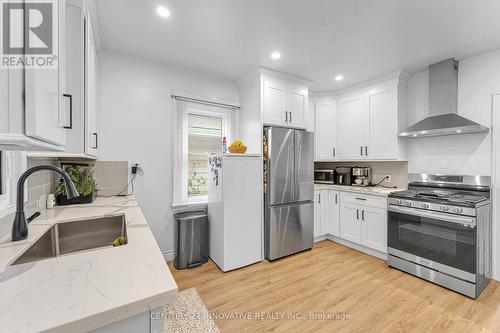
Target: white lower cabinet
[[363, 220], [374, 228], [358, 218], [350, 223], [326, 213], [317, 214], [332, 208]]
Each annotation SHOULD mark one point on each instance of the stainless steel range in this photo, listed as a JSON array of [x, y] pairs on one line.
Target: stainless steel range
[[440, 230]]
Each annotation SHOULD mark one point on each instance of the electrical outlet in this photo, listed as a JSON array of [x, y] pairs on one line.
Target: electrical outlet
[[388, 178]]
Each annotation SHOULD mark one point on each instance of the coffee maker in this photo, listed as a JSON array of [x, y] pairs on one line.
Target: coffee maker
[[362, 176], [343, 176]]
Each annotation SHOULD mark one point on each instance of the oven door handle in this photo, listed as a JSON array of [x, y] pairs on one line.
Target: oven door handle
[[463, 220]]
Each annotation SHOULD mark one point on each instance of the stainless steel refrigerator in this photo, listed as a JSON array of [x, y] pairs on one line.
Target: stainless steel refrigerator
[[288, 191]]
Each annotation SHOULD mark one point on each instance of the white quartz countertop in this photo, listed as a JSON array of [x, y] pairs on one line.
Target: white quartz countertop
[[83, 291], [373, 190]]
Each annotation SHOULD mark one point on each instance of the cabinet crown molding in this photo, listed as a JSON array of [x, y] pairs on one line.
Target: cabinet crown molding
[[397, 77], [260, 71]]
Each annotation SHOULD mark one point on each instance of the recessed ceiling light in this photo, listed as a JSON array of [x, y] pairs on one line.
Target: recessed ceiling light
[[275, 55], [459, 131], [339, 77], [162, 11]]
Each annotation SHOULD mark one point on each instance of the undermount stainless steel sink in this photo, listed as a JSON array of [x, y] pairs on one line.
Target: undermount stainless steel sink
[[75, 236]]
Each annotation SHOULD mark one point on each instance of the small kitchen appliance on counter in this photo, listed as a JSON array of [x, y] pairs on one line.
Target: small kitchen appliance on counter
[[343, 176], [440, 230], [362, 176], [324, 176]]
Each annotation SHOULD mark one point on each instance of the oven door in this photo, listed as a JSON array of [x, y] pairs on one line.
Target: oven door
[[443, 242]]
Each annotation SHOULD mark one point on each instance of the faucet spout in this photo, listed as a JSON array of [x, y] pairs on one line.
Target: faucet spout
[[20, 225]]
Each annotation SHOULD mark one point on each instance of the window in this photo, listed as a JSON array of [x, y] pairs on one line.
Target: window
[[5, 182], [12, 164], [199, 131], [204, 136]]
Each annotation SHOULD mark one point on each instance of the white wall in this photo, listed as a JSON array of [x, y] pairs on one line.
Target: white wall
[[478, 79], [136, 120]]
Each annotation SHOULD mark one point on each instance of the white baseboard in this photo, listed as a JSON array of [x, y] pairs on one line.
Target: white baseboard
[[352, 245], [168, 255], [320, 238]]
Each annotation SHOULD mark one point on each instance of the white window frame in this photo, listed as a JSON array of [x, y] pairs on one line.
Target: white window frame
[[14, 164], [182, 108], [194, 110]]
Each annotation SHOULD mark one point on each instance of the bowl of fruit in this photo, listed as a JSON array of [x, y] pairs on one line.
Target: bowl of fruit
[[237, 147]]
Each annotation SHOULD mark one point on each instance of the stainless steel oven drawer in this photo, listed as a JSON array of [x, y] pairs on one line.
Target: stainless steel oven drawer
[[463, 287]]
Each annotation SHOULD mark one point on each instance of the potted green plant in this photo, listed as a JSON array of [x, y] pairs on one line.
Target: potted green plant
[[84, 183]]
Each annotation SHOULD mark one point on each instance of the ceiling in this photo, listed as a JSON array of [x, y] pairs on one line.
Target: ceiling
[[318, 39]]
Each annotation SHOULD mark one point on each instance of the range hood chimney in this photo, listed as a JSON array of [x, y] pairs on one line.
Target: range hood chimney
[[443, 98]]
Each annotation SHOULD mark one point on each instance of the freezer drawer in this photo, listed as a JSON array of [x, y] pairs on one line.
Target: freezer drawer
[[289, 229]]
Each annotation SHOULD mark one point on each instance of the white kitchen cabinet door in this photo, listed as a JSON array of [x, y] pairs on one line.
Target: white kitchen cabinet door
[[352, 117], [75, 77], [374, 234], [350, 222], [296, 106], [332, 211], [274, 103], [382, 132], [45, 115], [317, 214], [325, 132], [91, 97]]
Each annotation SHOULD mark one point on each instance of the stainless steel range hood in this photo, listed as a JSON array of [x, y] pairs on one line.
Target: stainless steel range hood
[[443, 96]]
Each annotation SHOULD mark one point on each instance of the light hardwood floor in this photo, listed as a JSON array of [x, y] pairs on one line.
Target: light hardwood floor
[[330, 279]]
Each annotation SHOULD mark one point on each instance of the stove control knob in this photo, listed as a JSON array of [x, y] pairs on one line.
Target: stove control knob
[[457, 210], [398, 201], [425, 205], [444, 208], [407, 203]]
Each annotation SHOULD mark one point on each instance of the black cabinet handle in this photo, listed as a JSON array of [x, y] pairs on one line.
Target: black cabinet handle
[[363, 215], [366, 150], [361, 150], [362, 199], [70, 111], [336, 198], [357, 214], [96, 145], [290, 116], [319, 198]]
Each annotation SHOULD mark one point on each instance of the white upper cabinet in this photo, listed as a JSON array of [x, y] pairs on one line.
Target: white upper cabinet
[[34, 110], [44, 104], [297, 106], [270, 98], [91, 96], [369, 120], [274, 103], [285, 103], [352, 123], [325, 130], [382, 134]]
